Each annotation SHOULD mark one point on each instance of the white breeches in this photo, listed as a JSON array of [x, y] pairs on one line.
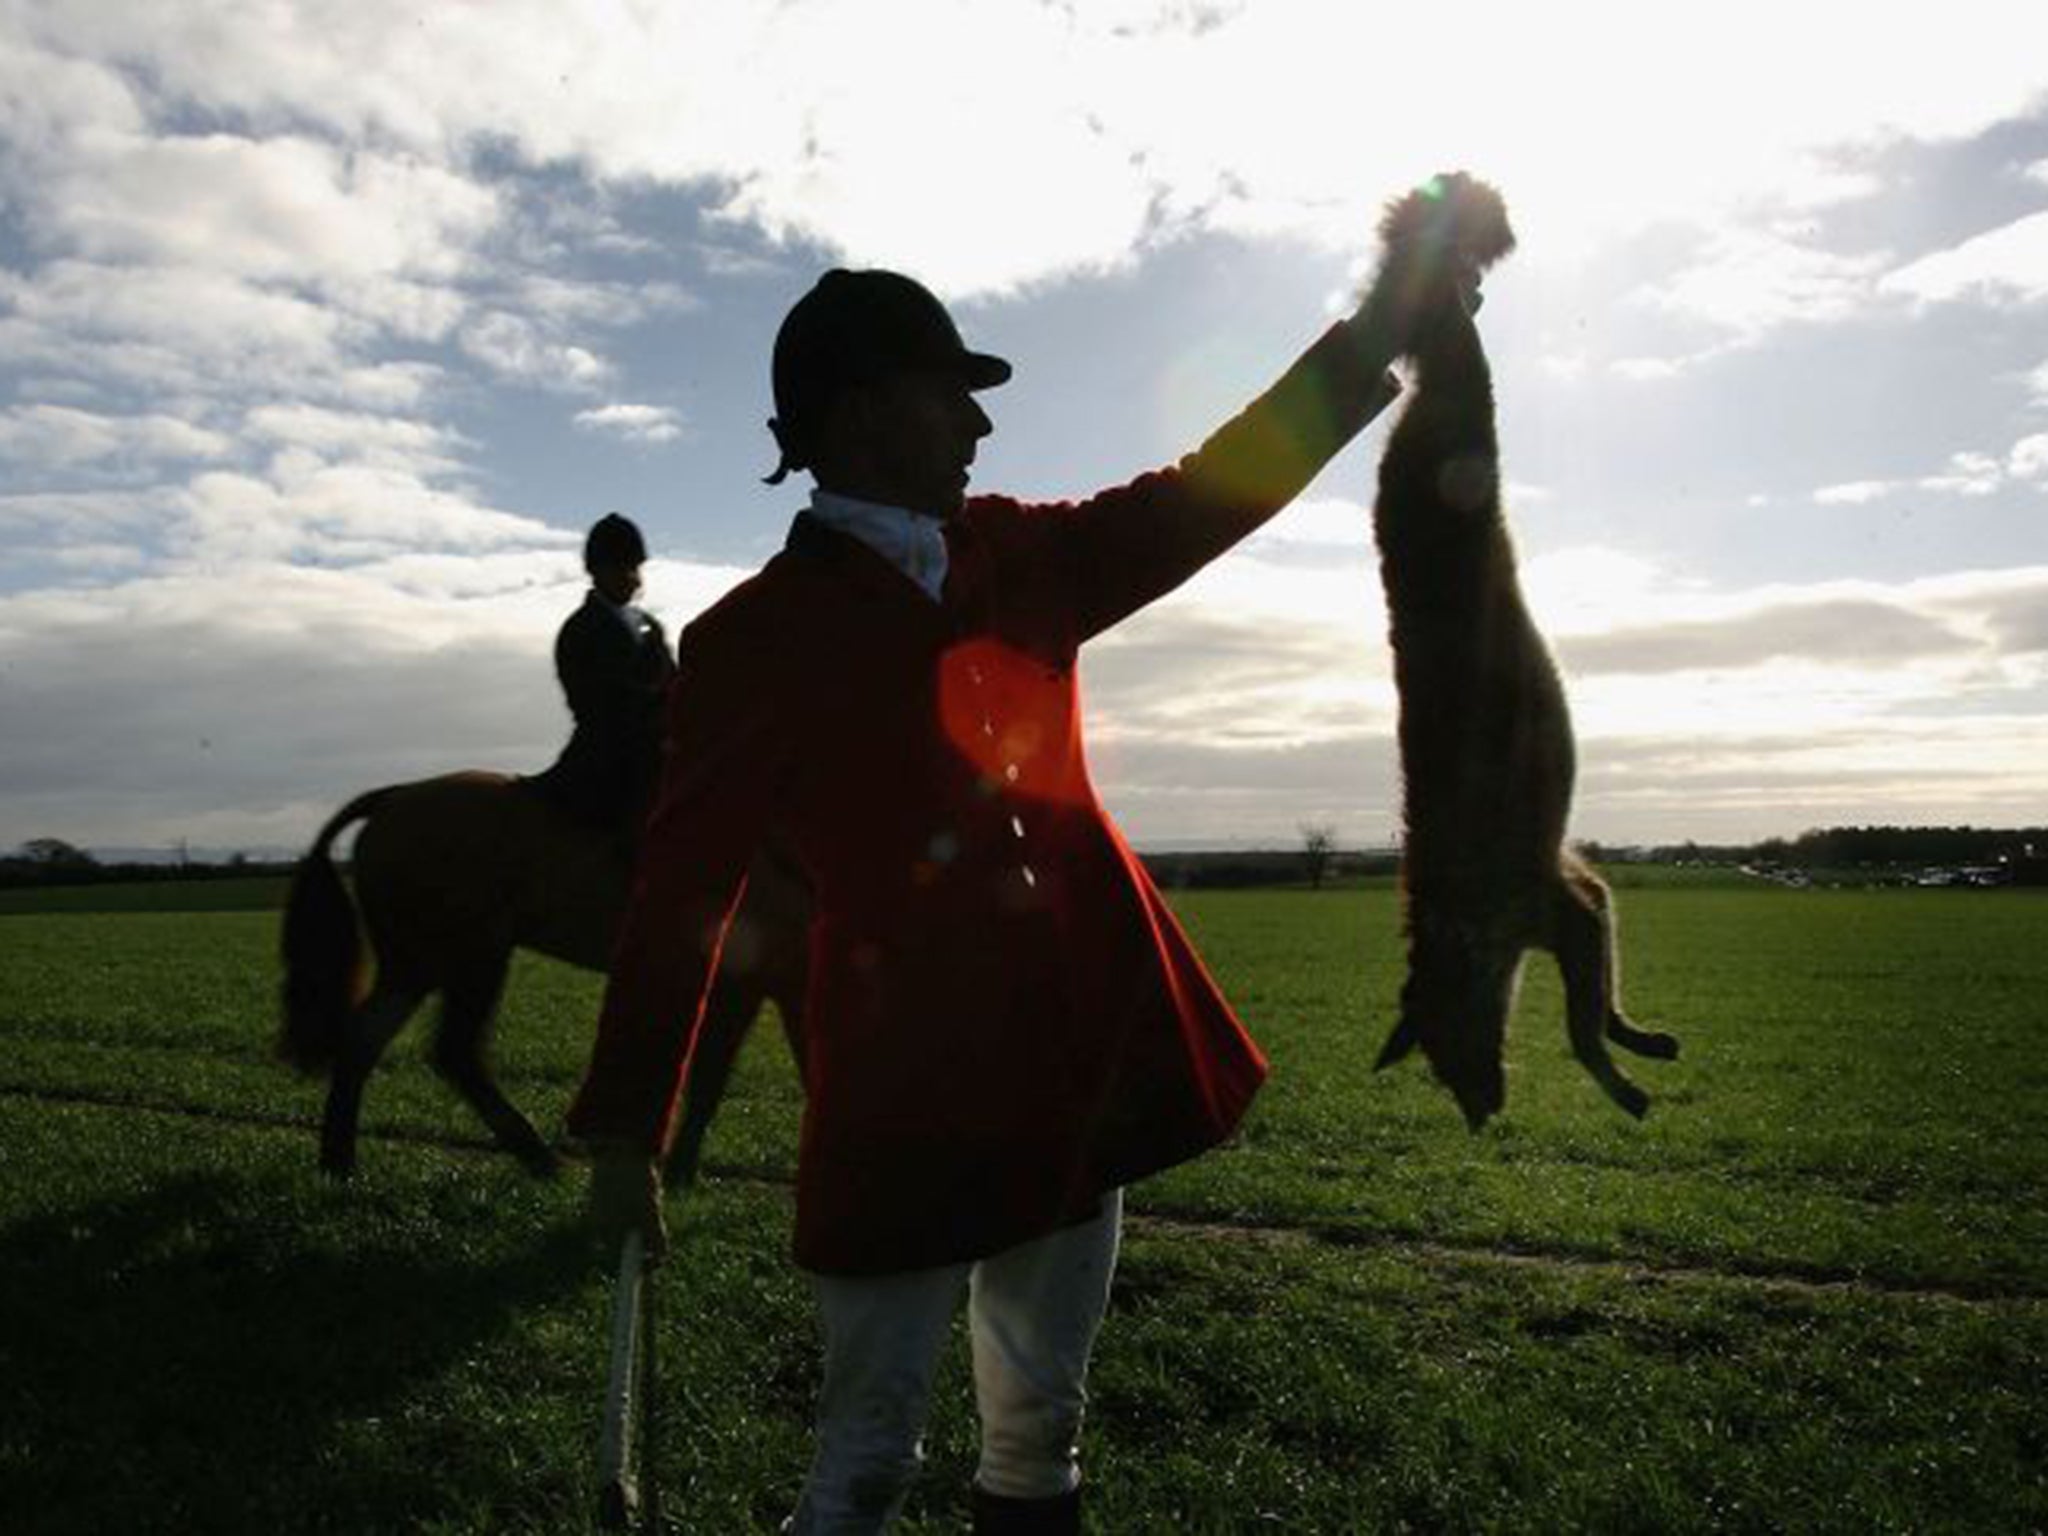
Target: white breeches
[[1032, 1313]]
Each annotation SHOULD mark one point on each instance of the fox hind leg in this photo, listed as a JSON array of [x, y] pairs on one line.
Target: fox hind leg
[[1585, 959]]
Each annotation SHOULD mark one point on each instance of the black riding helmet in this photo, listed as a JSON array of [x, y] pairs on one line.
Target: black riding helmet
[[613, 540], [853, 328]]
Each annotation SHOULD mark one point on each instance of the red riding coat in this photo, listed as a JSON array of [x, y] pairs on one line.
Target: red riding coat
[[1004, 1019]]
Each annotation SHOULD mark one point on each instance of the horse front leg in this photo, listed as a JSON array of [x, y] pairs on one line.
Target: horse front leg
[[468, 1004], [369, 1029]]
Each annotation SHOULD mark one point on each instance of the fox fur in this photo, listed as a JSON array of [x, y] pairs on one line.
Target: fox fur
[[1487, 753]]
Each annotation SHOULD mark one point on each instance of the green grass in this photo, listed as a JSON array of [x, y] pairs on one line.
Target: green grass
[[233, 893], [1810, 1292]]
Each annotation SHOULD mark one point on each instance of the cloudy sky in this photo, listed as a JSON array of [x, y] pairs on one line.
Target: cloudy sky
[[326, 329]]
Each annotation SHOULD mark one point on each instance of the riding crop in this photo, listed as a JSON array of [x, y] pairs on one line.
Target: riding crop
[[625, 1452]]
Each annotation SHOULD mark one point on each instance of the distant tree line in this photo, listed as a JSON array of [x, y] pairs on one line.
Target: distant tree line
[[51, 861], [1242, 870], [1901, 847]]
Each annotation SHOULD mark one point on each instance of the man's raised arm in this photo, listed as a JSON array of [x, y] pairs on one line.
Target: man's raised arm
[[1133, 544]]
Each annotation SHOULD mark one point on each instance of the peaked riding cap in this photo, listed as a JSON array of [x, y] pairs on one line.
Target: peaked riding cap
[[856, 327]]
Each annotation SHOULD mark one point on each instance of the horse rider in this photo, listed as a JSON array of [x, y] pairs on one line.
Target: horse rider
[[1005, 1023], [613, 661]]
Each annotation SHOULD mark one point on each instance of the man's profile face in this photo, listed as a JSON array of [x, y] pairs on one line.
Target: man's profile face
[[922, 427]]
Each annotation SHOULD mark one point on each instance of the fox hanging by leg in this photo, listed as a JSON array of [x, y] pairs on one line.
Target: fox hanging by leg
[[1487, 755]]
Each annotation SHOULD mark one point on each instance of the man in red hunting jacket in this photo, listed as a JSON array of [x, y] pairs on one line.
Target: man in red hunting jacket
[[1005, 1024]]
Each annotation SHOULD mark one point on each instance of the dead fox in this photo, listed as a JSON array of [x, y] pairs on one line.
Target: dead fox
[[1486, 738]]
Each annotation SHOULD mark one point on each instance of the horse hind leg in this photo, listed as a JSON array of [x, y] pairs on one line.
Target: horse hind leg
[[368, 1030], [468, 1004], [728, 1014], [767, 960], [1585, 959]]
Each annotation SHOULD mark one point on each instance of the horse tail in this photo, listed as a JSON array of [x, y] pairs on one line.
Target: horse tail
[[324, 966]]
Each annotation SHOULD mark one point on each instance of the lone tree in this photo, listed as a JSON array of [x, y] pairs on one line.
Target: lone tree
[[55, 853], [1318, 848]]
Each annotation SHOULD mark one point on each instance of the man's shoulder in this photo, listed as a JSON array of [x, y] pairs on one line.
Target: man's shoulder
[[987, 508], [999, 525], [760, 612]]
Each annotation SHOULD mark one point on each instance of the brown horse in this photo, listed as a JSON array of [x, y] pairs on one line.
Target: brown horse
[[451, 875]]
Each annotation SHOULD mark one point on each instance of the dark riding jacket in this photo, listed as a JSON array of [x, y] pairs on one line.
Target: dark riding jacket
[[615, 677]]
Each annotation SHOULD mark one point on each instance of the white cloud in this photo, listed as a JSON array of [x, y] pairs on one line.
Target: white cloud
[[519, 350], [2028, 459], [1648, 370], [1315, 523], [173, 329], [634, 423], [1971, 770], [59, 437], [99, 558], [565, 301], [1259, 695], [375, 237], [1967, 474], [183, 697], [89, 516], [48, 97], [1854, 493], [284, 208], [421, 446], [1814, 632], [237, 703], [2009, 261], [1047, 140], [1750, 281], [1590, 589], [305, 507], [383, 386], [1801, 706]]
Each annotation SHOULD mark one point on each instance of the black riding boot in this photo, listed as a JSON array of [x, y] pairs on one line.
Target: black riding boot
[[995, 1515]]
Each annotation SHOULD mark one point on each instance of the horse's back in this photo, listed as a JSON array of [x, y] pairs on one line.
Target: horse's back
[[453, 870]]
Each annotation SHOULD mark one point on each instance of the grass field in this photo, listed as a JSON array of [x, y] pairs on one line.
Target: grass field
[[1810, 1293]]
